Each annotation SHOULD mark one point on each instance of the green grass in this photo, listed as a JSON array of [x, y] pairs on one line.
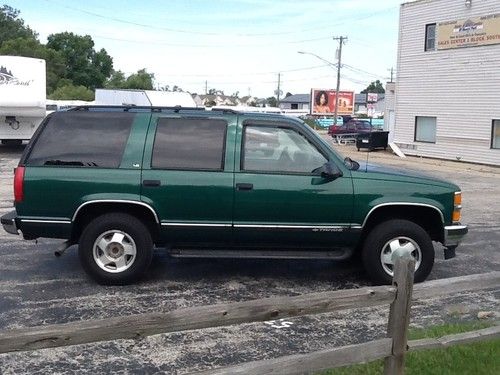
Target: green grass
[[475, 359]]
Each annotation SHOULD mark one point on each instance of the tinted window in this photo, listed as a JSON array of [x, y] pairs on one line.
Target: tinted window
[[189, 144], [85, 139], [273, 149]]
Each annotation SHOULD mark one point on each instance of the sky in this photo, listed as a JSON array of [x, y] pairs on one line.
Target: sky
[[233, 45]]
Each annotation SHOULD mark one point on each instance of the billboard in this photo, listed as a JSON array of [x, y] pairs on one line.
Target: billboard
[[323, 102], [477, 31]]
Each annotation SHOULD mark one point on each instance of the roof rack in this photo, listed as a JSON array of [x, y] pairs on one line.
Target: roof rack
[[127, 108]]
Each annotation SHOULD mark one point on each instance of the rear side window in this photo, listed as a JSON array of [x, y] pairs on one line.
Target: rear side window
[[83, 139], [189, 144]]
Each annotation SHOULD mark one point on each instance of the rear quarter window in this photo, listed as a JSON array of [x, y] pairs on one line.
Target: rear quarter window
[[82, 139]]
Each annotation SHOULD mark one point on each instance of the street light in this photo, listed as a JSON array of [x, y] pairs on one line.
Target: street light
[[338, 74]]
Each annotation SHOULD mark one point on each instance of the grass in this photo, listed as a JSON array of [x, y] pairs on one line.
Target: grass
[[477, 359]]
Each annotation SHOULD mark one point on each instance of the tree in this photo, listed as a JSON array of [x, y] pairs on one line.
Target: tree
[[374, 87], [141, 80], [72, 92], [85, 66], [13, 27], [215, 92], [27, 47], [116, 81], [272, 101]]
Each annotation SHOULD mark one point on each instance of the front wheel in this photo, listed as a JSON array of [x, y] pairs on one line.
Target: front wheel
[[115, 249], [396, 235]]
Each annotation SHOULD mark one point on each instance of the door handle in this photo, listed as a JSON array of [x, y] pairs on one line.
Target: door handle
[[151, 183], [244, 186]]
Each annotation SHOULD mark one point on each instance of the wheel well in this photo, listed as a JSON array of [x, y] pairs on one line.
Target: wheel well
[[90, 211], [426, 217]]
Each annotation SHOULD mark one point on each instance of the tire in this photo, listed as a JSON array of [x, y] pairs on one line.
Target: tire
[[401, 233], [115, 249]]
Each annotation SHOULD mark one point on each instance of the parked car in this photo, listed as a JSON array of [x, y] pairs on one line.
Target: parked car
[[118, 181], [352, 126]]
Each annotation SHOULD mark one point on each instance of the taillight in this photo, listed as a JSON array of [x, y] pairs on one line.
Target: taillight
[[18, 184]]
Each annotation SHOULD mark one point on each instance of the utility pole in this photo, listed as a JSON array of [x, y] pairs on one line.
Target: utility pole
[[278, 91], [206, 87], [392, 74], [341, 40]]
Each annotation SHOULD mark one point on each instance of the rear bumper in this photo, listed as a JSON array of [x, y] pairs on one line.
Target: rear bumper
[[454, 234], [9, 222]]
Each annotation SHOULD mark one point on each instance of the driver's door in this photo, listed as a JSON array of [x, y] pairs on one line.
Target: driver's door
[[278, 199]]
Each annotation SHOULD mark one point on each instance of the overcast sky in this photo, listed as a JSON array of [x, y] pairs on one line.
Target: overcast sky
[[235, 45]]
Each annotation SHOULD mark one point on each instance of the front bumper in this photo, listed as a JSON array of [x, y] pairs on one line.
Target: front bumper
[[454, 234], [9, 222]]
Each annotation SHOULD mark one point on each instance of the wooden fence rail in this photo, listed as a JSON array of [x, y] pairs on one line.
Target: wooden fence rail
[[395, 346]]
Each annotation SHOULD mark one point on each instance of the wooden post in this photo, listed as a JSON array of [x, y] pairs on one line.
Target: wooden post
[[399, 315]]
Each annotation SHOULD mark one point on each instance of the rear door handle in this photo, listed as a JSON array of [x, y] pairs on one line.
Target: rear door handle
[[244, 186], [151, 183]]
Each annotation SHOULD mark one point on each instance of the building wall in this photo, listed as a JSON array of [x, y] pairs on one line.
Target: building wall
[[461, 87]]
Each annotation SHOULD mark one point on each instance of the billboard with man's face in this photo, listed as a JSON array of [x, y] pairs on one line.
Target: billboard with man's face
[[323, 102]]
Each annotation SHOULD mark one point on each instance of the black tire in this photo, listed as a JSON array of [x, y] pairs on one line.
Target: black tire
[[389, 230], [136, 236]]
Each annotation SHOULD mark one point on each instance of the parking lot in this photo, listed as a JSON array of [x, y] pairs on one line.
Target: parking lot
[[36, 288]]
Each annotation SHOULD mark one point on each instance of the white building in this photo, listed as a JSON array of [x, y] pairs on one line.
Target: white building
[[447, 102]]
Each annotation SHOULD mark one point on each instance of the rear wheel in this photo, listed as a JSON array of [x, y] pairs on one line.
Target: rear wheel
[[115, 249], [393, 236]]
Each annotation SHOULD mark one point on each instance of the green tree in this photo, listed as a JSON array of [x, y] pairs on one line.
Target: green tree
[[12, 27], [374, 87], [116, 80], [85, 66], [272, 101], [142, 80], [27, 47], [72, 92]]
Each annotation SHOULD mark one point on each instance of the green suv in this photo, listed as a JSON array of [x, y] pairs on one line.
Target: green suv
[[119, 181]]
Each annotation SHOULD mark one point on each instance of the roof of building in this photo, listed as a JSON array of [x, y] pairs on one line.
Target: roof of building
[[297, 98]]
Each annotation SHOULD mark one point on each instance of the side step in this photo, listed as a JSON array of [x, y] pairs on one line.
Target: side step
[[261, 254]]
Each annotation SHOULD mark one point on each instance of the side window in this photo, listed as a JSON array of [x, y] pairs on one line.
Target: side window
[[278, 149], [83, 139], [189, 144], [430, 37], [425, 129]]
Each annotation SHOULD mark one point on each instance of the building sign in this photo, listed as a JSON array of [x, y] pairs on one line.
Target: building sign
[[372, 97], [323, 102], [479, 31]]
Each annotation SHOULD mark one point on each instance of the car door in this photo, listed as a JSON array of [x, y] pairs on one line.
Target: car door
[[279, 200], [187, 177]]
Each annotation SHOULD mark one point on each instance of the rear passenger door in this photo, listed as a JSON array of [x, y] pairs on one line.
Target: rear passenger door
[[188, 178]]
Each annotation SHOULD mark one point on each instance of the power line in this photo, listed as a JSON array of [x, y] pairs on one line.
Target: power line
[[263, 34]]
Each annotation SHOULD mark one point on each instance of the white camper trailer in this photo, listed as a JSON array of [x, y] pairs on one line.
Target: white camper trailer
[[147, 98], [22, 97]]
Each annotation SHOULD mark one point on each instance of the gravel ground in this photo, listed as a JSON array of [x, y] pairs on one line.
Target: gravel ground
[[36, 288]]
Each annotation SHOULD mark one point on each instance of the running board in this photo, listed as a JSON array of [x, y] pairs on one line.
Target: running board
[[261, 254]]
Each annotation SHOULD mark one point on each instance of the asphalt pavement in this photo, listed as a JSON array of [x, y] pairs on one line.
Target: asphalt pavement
[[36, 288]]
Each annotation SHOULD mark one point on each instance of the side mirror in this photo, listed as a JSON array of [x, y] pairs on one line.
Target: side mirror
[[328, 171]]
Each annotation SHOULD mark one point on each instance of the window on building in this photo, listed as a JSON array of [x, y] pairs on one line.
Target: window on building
[[294, 106], [425, 129], [495, 134], [189, 144], [430, 37]]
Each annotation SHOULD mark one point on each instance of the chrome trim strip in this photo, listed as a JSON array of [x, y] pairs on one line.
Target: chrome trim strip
[[402, 204], [195, 225], [291, 226], [115, 201], [46, 221]]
